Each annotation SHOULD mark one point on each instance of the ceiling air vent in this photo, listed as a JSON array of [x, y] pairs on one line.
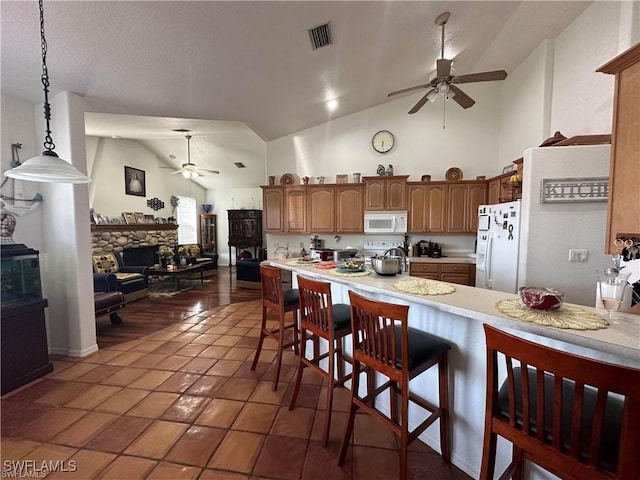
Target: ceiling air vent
[[239, 164], [320, 36]]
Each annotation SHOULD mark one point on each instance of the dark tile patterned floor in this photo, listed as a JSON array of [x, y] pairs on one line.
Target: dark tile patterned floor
[[183, 403]]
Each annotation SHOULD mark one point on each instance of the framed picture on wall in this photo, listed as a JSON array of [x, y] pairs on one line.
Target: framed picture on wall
[[134, 182]]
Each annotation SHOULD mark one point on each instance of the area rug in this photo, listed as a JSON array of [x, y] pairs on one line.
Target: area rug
[[166, 287]]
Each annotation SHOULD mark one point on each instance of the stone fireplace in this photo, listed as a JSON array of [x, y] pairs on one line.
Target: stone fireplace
[[137, 243]]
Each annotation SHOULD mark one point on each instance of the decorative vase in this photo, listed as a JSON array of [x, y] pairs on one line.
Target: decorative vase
[[183, 261], [206, 207], [164, 261]]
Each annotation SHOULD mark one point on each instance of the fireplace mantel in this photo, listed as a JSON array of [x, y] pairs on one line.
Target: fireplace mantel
[[132, 227]]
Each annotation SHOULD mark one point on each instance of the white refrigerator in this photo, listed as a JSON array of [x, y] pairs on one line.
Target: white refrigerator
[[498, 246]]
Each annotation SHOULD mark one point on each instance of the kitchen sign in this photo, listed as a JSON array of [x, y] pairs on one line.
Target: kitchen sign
[[558, 190]]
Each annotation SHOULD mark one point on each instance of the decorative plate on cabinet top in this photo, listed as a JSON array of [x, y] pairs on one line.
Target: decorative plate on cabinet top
[[453, 174], [287, 179]]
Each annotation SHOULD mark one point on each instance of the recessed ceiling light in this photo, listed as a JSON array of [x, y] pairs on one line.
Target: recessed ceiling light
[[332, 105], [239, 164]]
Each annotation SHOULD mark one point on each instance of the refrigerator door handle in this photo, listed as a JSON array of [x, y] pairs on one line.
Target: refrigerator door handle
[[487, 262]]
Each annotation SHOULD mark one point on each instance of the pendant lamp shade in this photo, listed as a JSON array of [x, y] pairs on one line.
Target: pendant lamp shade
[[48, 167]]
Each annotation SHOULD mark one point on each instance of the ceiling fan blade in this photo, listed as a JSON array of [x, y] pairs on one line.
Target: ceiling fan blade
[[421, 102], [443, 67], [481, 77], [208, 170], [410, 89], [461, 98]]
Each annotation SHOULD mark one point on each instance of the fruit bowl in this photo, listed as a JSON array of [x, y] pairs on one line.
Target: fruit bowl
[[541, 298]]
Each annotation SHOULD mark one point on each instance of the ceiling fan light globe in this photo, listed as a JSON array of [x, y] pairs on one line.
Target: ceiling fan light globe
[[432, 96], [443, 88], [186, 174]]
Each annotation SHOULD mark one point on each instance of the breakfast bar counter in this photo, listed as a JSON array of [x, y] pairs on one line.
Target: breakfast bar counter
[[457, 318]]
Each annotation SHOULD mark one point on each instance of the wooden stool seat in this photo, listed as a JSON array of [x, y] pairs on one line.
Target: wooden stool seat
[[383, 343], [576, 417], [321, 319]]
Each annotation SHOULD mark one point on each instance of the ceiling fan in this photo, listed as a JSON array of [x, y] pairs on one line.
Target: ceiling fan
[[190, 170], [445, 81]]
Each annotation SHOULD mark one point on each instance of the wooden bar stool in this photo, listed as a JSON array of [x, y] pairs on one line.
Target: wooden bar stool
[[383, 343], [576, 417], [320, 318], [276, 300]]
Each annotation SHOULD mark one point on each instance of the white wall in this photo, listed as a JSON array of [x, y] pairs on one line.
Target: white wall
[[583, 98], [18, 126], [106, 159], [524, 114], [549, 230], [343, 145]]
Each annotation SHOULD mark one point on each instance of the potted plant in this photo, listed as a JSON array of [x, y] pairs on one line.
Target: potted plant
[[165, 254]]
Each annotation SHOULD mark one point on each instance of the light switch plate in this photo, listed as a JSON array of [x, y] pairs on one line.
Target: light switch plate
[[578, 255]]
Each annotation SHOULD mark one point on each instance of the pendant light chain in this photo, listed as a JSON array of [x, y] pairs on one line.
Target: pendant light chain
[[48, 141]]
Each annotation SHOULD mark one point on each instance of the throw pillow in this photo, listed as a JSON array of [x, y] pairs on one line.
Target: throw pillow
[[105, 263]]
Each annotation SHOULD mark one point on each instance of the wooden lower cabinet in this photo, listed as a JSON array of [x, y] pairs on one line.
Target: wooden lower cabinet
[[460, 273]]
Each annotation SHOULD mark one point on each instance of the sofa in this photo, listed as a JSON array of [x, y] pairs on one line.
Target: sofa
[[111, 274], [248, 270], [196, 251]]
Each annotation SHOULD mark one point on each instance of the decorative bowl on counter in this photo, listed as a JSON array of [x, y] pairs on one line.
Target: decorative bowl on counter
[[541, 298], [350, 267]]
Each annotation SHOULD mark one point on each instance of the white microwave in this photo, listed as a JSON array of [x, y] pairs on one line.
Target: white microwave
[[385, 222]]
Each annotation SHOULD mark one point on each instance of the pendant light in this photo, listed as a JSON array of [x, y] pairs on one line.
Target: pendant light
[[47, 167]]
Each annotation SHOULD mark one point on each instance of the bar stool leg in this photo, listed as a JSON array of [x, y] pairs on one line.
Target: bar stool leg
[[348, 432], [443, 392], [301, 367], [263, 327]]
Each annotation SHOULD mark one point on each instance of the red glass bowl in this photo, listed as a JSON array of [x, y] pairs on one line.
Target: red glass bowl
[[541, 298]]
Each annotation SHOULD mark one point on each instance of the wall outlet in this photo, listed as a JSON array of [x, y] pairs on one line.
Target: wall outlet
[[576, 255]]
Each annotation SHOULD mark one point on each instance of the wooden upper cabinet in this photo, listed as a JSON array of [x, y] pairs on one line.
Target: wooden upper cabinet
[[386, 193], [427, 207], [273, 209], [463, 201], [295, 212], [624, 175], [477, 196], [349, 208], [321, 210], [493, 195]]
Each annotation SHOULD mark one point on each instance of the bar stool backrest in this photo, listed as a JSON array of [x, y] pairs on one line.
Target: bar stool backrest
[[315, 306], [589, 410], [375, 327], [271, 280]]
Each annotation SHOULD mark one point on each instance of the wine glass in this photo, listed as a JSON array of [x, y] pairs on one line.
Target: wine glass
[[611, 286]]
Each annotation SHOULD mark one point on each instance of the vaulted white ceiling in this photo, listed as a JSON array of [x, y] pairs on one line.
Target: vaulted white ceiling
[[236, 68]]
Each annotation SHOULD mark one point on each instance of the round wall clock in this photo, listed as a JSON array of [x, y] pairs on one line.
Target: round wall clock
[[382, 141]]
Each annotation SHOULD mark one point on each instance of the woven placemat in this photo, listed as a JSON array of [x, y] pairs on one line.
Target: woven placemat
[[424, 287], [335, 272], [566, 316], [296, 263]]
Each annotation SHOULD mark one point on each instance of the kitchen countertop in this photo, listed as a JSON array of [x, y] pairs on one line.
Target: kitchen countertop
[[620, 339], [458, 319]]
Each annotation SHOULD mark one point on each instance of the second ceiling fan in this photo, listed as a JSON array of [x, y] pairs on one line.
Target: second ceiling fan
[[190, 170], [444, 83]]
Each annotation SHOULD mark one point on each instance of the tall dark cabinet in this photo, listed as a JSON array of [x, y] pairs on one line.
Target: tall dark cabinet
[[208, 235], [245, 231], [24, 350]]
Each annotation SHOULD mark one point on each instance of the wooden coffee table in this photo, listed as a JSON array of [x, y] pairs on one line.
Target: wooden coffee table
[[180, 270]]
